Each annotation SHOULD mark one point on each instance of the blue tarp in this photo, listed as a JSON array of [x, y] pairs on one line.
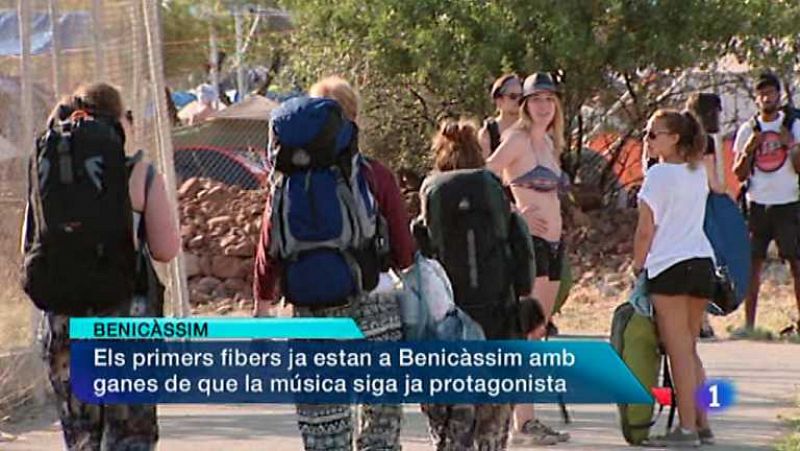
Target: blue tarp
[[74, 30], [182, 98]]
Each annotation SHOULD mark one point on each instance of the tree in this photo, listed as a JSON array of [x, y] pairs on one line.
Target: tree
[[187, 24], [415, 62]]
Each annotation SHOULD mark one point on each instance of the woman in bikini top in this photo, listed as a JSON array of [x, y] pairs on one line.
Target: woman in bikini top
[[542, 179], [530, 168], [527, 160]]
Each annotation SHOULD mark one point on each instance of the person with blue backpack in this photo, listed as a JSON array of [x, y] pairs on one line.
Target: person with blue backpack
[[767, 162], [332, 208], [673, 252], [707, 107]]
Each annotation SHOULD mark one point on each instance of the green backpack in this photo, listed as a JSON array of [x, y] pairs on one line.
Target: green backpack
[[564, 286], [468, 226], [635, 339]]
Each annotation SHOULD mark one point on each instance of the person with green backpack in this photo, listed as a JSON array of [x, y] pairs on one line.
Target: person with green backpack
[[468, 226], [673, 252]]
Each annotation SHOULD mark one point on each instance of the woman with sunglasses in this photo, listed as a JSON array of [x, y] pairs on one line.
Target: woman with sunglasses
[[671, 247], [528, 161], [506, 92]]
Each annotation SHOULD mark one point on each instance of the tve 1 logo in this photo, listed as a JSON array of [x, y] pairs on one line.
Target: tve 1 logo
[[716, 395]]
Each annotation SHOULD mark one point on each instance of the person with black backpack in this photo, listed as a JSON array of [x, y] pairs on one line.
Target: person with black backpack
[[768, 162], [320, 132], [467, 224], [506, 92], [85, 257]]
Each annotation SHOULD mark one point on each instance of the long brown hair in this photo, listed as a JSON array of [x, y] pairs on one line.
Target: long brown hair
[[101, 99], [455, 146], [691, 137]]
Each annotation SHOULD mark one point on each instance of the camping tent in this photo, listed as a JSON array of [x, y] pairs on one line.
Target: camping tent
[[74, 32]]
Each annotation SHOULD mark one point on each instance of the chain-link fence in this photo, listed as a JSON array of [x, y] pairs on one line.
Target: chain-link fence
[[47, 49]]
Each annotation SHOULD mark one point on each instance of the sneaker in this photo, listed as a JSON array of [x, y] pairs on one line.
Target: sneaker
[[674, 439], [552, 330], [559, 435], [790, 331], [539, 429], [532, 434], [707, 332], [706, 436], [741, 333]]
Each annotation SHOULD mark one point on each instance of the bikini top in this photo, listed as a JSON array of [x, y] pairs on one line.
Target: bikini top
[[542, 179]]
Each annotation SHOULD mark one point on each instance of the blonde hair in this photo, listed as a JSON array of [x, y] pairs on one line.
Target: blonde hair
[[555, 128], [340, 90], [455, 146]]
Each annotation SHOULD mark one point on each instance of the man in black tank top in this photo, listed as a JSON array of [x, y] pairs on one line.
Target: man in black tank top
[[506, 93]]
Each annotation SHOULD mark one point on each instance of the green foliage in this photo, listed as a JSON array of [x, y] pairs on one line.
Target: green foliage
[[792, 441], [417, 61], [187, 25]]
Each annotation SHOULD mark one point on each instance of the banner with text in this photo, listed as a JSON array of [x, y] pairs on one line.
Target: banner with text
[[352, 371]]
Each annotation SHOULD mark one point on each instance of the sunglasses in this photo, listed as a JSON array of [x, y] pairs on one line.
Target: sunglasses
[[651, 135], [513, 96]]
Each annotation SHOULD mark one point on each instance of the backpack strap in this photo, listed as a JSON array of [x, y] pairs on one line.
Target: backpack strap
[[755, 124], [150, 175], [494, 133], [667, 379], [789, 116], [133, 160]]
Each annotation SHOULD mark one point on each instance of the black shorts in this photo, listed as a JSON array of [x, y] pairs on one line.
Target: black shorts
[[694, 277], [549, 258], [774, 222]]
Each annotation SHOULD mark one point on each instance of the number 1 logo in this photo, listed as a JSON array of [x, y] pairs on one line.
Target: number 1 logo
[[716, 395]]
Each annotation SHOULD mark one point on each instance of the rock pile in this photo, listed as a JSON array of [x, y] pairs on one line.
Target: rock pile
[[220, 226]]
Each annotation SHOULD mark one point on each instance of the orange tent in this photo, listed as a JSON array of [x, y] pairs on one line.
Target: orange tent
[[628, 167]]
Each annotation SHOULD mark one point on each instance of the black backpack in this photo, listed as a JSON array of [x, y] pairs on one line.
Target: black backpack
[[79, 256], [487, 251], [494, 134], [790, 114]]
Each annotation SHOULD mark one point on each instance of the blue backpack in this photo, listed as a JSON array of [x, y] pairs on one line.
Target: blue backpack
[[326, 227], [726, 230]]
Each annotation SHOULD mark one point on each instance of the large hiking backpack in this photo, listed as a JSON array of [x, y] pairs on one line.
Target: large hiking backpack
[[635, 339], [467, 225], [79, 251], [326, 227], [727, 232]]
